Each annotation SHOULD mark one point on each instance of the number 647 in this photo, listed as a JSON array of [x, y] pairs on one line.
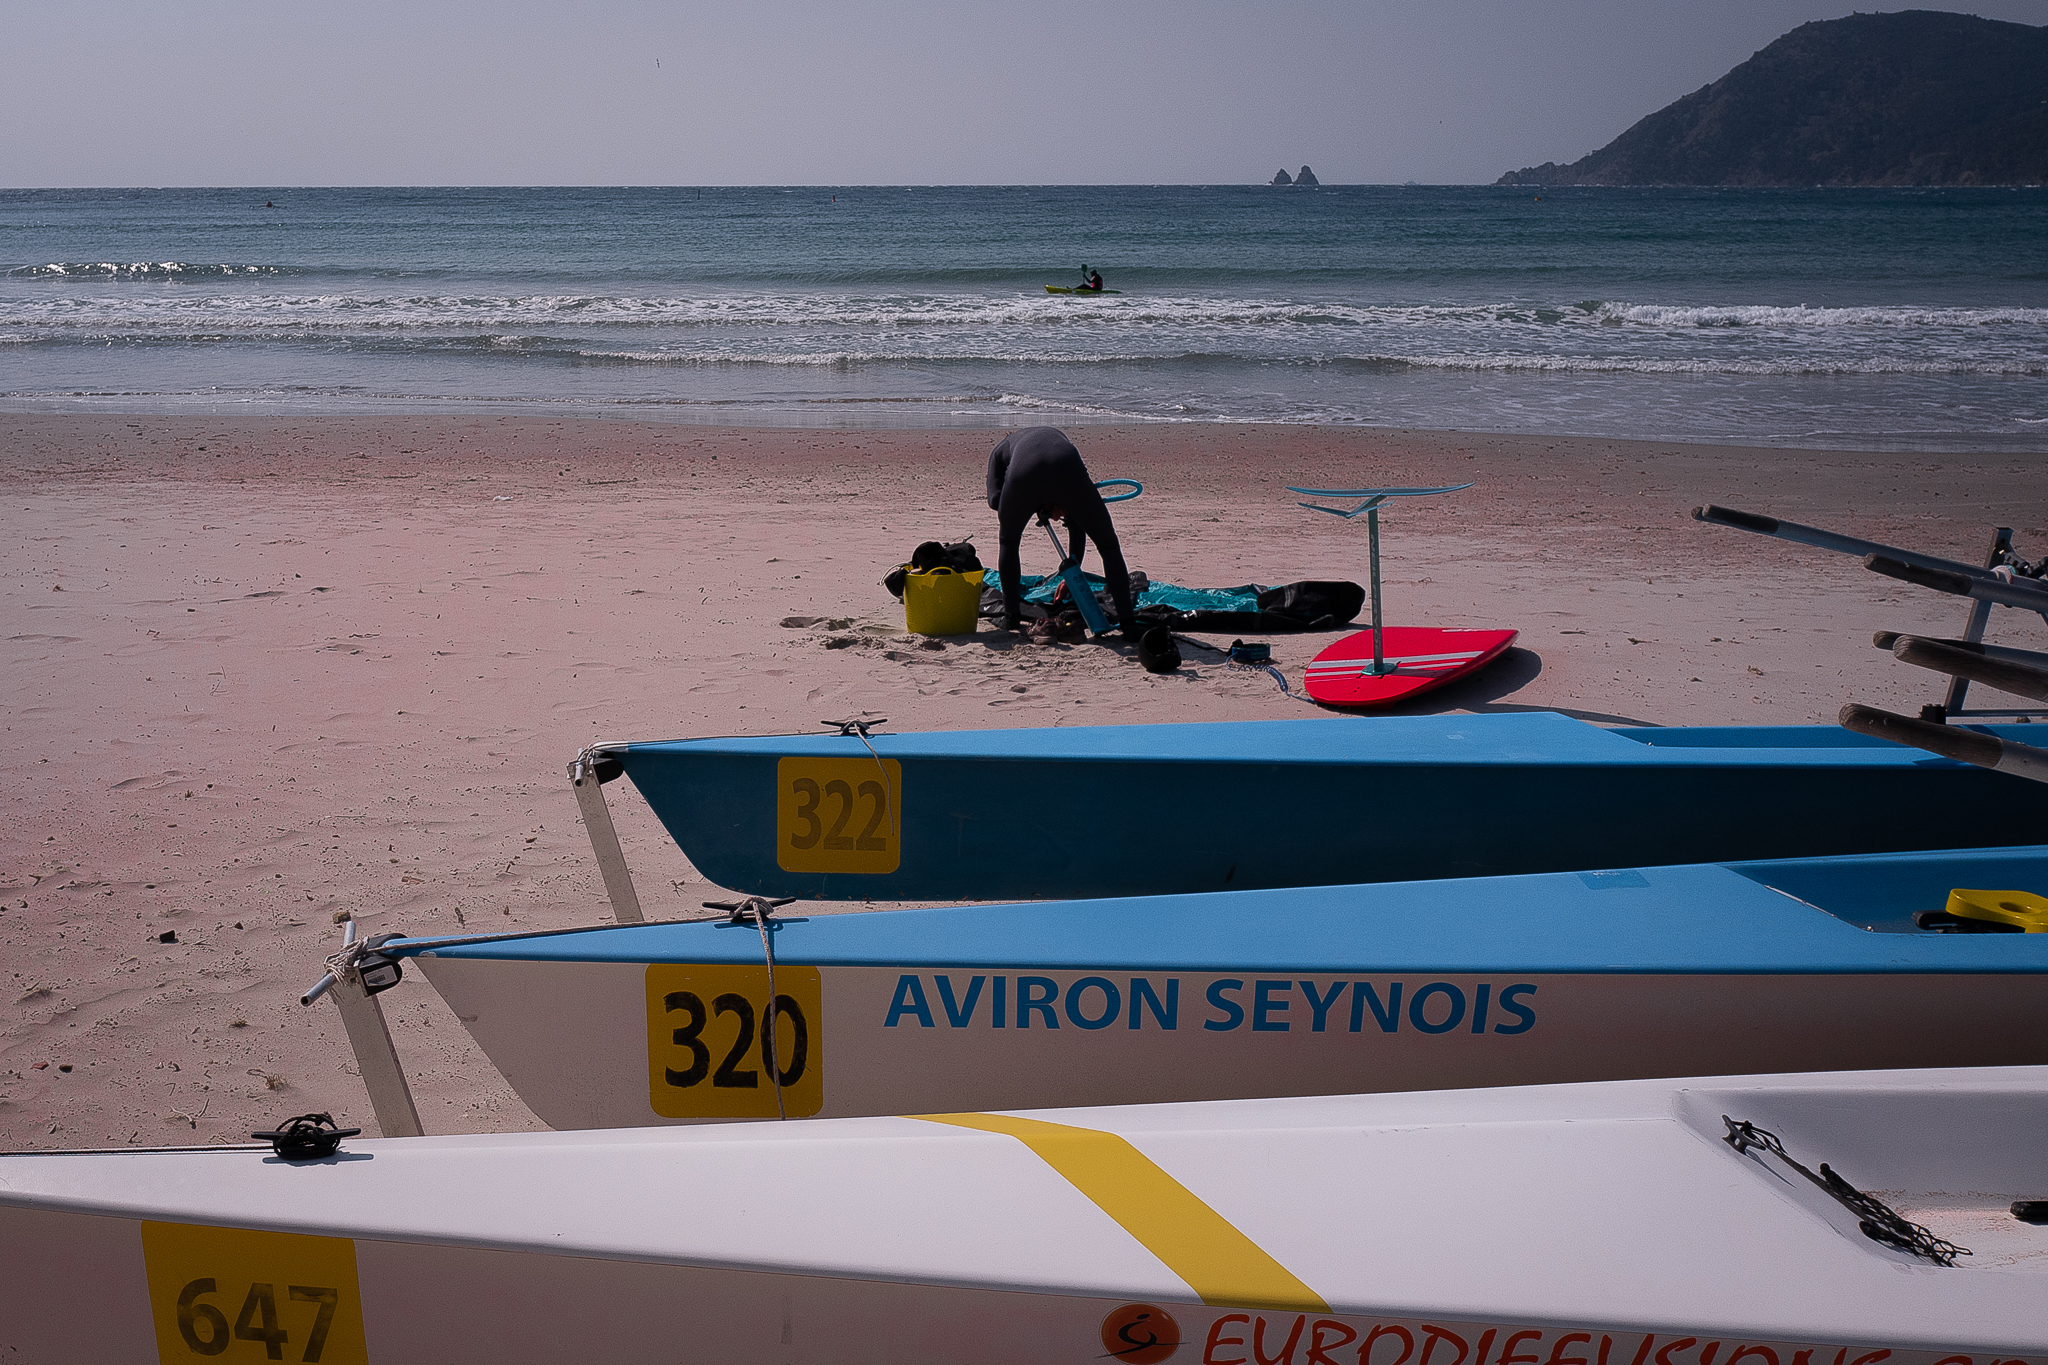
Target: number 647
[[205, 1328]]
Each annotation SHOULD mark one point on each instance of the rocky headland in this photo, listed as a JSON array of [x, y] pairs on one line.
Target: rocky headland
[[1912, 98]]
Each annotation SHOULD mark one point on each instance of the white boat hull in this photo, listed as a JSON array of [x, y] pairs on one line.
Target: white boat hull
[[1563, 1225], [588, 1044]]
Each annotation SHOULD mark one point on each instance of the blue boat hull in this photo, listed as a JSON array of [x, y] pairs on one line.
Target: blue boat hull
[[1142, 810], [1811, 964]]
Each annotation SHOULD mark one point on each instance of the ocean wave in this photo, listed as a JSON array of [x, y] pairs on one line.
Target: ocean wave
[[1191, 349], [260, 311], [269, 312], [137, 270], [1818, 367], [1770, 315], [1097, 411], [850, 359], [1797, 366]]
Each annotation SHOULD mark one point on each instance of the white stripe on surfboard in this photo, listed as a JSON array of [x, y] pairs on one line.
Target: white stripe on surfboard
[[1393, 670], [1409, 659], [1403, 658]]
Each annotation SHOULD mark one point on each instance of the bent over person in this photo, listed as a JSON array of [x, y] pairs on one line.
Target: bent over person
[[1039, 470]]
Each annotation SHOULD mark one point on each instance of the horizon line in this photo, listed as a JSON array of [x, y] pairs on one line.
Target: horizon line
[[796, 185], [991, 185]]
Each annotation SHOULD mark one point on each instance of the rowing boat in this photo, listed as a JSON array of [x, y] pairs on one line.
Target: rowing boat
[[1142, 809], [1799, 965], [1566, 1225]]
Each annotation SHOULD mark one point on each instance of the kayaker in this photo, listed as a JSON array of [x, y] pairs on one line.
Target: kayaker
[[1091, 280], [1039, 470]]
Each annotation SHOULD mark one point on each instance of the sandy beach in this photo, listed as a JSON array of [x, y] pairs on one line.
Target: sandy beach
[[262, 671]]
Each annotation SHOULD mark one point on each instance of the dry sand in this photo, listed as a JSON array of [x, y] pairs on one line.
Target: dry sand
[[261, 671]]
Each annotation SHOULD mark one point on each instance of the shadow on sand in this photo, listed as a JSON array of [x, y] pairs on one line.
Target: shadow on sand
[[1477, 694]]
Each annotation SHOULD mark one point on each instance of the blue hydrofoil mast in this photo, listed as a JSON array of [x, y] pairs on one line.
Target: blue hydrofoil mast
[[1371, 508]]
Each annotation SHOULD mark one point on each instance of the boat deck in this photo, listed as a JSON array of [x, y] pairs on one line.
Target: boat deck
[[1596, 1208], [1847, 915], [1152, 809]]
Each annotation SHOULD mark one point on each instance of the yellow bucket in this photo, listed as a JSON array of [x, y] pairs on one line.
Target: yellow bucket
[[941, 602]]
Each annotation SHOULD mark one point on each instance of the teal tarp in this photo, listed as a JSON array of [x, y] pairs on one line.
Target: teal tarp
[[1157, 594]]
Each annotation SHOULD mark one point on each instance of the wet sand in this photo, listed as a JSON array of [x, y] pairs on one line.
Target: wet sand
[[261, 671]]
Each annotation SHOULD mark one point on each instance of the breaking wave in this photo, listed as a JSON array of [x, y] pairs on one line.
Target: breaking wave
[[1760, 315], [1671, 365], [810, 309], [138, 270]]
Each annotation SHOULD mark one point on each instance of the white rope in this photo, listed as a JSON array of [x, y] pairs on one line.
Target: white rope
[[762, 910], [761, 917], [861, 728]]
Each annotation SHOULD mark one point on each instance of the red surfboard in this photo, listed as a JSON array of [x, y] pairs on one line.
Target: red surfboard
[[1417, 657]]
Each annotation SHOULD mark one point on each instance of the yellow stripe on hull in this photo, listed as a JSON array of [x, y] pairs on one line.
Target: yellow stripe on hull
[[1222, 1265]]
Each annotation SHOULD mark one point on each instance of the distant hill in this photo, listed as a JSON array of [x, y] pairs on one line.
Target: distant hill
[[1915, 98]]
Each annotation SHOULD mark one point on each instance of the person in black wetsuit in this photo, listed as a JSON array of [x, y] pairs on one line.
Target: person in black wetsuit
[[1039, 470]]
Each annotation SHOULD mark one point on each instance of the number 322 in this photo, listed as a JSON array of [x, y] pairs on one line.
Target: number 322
[[809, 801]]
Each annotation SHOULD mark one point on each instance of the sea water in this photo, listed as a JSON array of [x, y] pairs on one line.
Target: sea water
[[1914, 319]]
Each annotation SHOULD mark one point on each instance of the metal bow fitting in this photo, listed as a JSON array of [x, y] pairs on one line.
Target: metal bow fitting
[[309, 1137], [1371, 508], [360, 959]]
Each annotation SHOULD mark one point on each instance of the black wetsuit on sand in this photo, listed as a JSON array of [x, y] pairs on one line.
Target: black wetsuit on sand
[[1038, 468]]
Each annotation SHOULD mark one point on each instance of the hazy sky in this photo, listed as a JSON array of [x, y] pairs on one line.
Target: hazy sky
[[461, 92]]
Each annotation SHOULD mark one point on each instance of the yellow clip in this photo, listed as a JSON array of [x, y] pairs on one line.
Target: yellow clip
[[2022, 909]]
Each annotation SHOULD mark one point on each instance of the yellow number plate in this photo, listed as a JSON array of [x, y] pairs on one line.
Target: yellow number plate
[[838, 815], [236, 1295], [707, 1054]]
